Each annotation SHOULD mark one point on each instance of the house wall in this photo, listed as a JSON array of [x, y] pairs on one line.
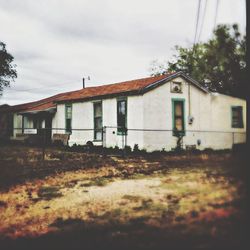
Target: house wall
[[212, 118], [153, 111], [83, 118]]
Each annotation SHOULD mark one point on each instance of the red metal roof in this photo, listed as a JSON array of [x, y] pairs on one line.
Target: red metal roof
[[36, 105], [111, 89]]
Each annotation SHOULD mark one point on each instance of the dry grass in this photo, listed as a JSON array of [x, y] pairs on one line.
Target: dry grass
[[183, 201]]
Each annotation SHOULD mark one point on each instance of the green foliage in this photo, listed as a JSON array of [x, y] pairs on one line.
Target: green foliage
[[7, 69], [218, 64], [136, 148]]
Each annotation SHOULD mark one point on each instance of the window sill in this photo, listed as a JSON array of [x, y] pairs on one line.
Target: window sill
[[121, 133], [179, 133]]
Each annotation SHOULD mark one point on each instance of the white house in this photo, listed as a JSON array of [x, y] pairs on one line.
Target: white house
[[156, 112]]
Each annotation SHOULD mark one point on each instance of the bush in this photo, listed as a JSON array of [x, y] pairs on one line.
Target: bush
[[136, 148], [128, 149]]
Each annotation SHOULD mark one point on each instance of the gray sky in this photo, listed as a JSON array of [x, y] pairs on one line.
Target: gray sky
[[57, 42]]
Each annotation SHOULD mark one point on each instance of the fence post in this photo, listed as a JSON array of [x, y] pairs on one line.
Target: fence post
[[43, 145], [103, 139]]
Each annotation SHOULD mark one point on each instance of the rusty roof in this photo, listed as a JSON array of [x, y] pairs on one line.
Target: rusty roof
[[127, 87], [133, 87], [36, 105]]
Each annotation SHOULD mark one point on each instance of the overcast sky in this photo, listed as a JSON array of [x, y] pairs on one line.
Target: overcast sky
[[57, 42]]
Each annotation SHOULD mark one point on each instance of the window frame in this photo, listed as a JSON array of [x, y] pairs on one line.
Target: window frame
[[94, 119], [240, 122], [120, 131], [173, 84], [68, 131], [175, 132]]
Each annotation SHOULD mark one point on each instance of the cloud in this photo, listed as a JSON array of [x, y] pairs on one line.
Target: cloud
[[57, 42]]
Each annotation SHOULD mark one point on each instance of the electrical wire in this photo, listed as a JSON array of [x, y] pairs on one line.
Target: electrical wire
[[44, 87], [202, 21], [216, 13], [197, 20]]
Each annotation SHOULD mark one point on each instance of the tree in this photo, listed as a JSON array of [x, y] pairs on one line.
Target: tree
[[219, 64], [7, 68]]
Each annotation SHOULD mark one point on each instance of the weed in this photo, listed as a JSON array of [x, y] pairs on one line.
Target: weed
[[49, 192], [99, 181], [139, 220], [134, 198], [3, 204], [71, 222]]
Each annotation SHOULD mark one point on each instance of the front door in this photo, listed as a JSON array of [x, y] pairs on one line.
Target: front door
[[178, 117]]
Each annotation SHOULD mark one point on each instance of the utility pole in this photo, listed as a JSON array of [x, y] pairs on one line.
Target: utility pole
[[247, 83]]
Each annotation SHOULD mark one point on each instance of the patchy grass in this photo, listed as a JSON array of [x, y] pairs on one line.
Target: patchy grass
[[99, 181], [197, 200], [49, 192], [3, 204], [70, 223], [132, 198]]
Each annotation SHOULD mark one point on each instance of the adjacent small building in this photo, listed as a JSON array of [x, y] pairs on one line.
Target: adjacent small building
[[155, 113]]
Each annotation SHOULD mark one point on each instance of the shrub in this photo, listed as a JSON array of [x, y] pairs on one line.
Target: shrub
[[136, 148]]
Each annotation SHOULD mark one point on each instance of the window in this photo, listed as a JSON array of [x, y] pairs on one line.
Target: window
[[178, 117], [98, 121], [176, 87], [68, 117], [121, 116], [237, 117]]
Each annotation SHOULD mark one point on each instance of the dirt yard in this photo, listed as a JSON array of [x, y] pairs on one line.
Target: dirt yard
[[89, 201]]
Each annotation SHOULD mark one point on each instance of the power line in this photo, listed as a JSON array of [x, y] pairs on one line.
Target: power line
[[44, 87], [197, 20], [216, 12], [202, 21]]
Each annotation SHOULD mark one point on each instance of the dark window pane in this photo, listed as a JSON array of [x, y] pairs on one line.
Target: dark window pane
[[237, 117], [178, 116], [121, 115], [98, 121], [68, 111], [68, 125]]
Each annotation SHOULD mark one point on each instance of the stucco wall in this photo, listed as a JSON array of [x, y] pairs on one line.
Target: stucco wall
[[212, 118], [82, 118], [153, 111]]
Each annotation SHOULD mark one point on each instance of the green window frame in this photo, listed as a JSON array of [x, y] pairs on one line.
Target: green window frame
[[68, 118], [237, 117], [97, 111], [122, 116], [175, 102]]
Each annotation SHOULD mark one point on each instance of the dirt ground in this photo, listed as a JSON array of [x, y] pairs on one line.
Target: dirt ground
[[90, 201]]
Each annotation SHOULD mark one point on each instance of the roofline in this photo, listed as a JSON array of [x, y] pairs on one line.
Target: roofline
[[227, 95], [50, 110], [84, 99], [168, 78], [137, 92]]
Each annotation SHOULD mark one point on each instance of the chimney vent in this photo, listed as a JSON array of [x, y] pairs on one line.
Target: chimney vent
[[83, 82]]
